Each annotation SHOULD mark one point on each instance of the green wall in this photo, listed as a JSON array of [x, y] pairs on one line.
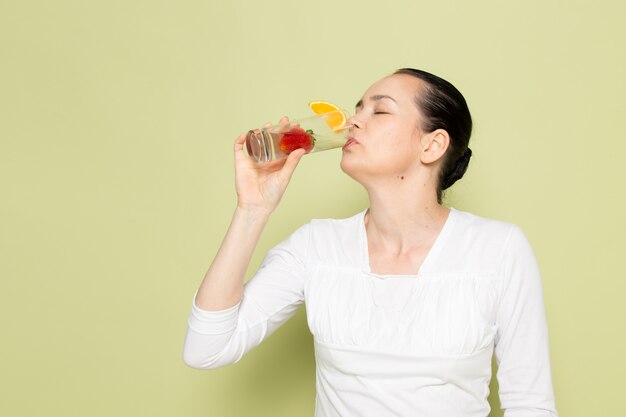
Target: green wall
[[117, 120]]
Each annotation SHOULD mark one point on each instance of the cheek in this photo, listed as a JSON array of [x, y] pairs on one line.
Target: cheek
[[398, 144], [387, 151], [391, 156]]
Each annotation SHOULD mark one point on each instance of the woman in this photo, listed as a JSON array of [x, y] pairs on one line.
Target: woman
[[407, 300]]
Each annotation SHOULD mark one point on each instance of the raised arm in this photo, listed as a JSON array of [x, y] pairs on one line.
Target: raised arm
[[219, 333], [259, 190]]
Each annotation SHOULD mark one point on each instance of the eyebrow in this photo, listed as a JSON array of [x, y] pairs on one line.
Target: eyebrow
[[376, 98]]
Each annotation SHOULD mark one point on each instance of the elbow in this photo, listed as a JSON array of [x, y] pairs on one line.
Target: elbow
[[198, 361], [203, 360], [208, 351], [193, 361]]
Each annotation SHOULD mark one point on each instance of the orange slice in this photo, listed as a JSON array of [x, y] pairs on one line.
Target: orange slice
[[335, 121]]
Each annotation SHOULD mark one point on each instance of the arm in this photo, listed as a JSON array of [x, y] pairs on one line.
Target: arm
[[270, 298], [259, 190], [521, 349], [222, 286]]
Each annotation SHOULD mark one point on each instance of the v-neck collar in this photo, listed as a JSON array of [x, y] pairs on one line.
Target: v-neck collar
[[428, 259]]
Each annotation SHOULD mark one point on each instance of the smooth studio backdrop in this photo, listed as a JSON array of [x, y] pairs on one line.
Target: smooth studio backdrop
[[117, 120]]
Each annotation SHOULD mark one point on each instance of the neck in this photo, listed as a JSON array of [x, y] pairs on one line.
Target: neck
[[404, 216]]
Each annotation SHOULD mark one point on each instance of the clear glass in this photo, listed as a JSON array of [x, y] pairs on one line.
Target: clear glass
[[314, 134]]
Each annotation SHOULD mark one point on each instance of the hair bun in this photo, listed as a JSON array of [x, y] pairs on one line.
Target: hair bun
[[458, 171]]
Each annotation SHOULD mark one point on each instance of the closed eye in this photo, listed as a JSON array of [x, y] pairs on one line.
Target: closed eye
[[381, 112]]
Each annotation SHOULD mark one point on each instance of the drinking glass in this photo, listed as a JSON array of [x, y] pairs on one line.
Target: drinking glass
[[313, 134]]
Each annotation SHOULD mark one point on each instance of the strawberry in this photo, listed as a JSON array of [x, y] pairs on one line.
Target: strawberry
[[297, 138]]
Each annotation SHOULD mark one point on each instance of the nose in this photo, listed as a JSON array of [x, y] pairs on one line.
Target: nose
[[354, 122]]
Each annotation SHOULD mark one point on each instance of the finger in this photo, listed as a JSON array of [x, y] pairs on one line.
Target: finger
[[283, 124], [240, 155], [291, 163], [239, 141]]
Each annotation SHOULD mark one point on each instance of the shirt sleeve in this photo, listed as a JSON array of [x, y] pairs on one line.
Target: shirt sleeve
[[273, 295], [521, 344]]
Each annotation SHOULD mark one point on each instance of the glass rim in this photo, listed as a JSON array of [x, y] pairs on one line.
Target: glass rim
[[316, 116]]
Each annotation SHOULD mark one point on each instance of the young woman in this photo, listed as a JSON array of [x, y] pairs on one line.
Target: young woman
[[407, 300]]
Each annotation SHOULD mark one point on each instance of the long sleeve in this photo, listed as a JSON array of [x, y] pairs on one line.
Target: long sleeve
[[270, 298], [521, 344]]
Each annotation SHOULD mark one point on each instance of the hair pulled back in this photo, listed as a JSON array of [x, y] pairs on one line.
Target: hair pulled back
[[444, 107]]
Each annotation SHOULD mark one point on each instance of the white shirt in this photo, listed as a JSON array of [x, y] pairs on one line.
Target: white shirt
[[399, 345]]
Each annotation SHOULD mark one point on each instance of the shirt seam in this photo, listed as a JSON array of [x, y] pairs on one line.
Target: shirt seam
[[499, 276]]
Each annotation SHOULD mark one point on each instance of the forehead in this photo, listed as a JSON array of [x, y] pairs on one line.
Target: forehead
[[402, 87]]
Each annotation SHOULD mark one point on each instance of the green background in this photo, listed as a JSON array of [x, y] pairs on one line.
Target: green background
[[117, 120]]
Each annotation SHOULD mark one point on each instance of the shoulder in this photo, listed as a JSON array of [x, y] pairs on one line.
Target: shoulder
[[336, 231], [336, 226], [322, 231], [509, 238], [509, 235], [482, 243], [486, 230], [475, 223], [334, 241]]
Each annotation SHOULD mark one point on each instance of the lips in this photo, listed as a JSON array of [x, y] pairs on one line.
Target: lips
[[351, 141]]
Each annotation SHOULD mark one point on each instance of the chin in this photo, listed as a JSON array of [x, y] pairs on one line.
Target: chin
[[351, 167], [346, 164]]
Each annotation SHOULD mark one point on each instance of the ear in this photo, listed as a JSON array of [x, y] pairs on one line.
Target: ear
[[434, 146]]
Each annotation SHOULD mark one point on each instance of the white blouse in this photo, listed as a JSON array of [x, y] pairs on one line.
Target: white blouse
[[399, 345]]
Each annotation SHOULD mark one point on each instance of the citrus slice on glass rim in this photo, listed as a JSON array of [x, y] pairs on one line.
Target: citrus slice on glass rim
[[337, 120]]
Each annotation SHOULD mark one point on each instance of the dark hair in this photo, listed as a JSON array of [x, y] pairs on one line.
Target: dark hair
[[444, 107]]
